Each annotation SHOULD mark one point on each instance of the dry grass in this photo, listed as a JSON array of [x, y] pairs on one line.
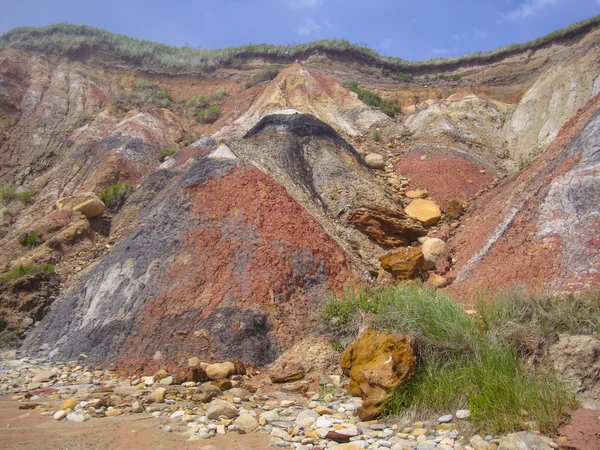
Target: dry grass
[[72, 40]]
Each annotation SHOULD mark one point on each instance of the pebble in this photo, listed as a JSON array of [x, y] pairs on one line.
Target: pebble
[[291, 423]]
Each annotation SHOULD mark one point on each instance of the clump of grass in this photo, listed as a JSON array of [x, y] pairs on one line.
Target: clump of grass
[[9, 193], [443, 76], [209, 115], [143, 93], [376, 135], [389, 107], [266, 74], [460, 362], [30, 239], [202, 101], [531, 322], [25, 269], [114, 196]]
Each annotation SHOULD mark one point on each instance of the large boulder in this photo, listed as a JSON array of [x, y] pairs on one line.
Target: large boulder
[[377, 363], [403, 263], [434, 250], [425, 211], [87, 202], [386, 227]]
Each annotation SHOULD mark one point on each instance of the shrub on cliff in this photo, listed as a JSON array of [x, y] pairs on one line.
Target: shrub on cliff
[[266, 74], [9, 193], [209, 115], [464, 361], [143, 93], [114, 196], [389, 107]]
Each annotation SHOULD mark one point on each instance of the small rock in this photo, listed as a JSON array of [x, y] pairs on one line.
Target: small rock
[[167, 381], [59, 415], [69, 404], [445, 419], [463, 414], [159, 395], [113, 412], [246, 422], [137, 408], [218, 408], [425, 211], [220, 371], [375, 161]]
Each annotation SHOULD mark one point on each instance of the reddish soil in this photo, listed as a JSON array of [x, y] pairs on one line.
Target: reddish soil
[[446, 175], [25, 429], [518, 257], [256, 254], [583, 432]]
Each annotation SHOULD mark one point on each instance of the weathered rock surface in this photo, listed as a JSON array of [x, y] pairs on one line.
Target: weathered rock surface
[[403, 263], [388, 228], [217, 209], [377, 362]]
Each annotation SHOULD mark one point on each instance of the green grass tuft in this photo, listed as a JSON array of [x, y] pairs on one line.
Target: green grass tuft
[[389, 107], [114, 196], [30, 239], [9, 193], [209, 115], [462, 362], [25, 269], [376, 135]]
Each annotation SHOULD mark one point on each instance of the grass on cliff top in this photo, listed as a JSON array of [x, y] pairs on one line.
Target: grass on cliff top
[[143, 93], [471, 361], [72, 40], [9, 193]]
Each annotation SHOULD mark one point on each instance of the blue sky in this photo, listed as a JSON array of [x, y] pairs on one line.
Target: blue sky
[[417, 29]]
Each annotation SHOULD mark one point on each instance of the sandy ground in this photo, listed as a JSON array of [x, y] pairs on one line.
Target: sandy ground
[[27, 429]]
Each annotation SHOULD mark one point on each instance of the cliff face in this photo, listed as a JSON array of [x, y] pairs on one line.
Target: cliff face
[[227, 248]]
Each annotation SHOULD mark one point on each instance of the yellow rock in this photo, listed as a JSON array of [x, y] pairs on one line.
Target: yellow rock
[[417, 193], [403, 263], [425, 211], [447, 426], [419, 431], [69, 404], [436, 281], [377, 363], [113, 412], [337, 426]]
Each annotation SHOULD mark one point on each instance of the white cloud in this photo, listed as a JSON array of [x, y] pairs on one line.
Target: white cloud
[[527, 9], [309, 27], [440, 51]]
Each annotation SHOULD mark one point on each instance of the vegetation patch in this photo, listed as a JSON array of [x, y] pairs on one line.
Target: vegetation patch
[[114, 196], [376, 135], [9, 193], [202, 101], [31, 239], [209, 115], [389, 107], [64, 39], [266, 74], [164, 154], [463, 361], [25, 269], [142, 94]]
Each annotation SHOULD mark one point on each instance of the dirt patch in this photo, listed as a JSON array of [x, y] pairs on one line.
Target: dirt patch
[[29, 430], [583, 432], [447, 175]]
